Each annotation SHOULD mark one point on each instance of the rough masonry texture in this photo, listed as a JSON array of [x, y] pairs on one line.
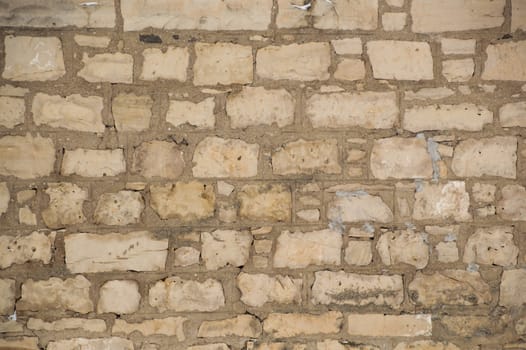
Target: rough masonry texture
[[262, 174]]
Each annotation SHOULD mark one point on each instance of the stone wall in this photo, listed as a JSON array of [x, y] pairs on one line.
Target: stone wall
[[263, 174]]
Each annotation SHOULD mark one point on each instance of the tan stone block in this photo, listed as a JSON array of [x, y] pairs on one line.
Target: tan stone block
[[240, 326], [107, 67], [491, 246], [358, 253], [8, 292], [186, 201], [350, 69], [307, 157], [512, 288], [170, 64], [92, 40], [217, 157], [158, 159], [400, 60], [119, 297], [259, 289], [33, 58], [73, 112], [449, 287], [404, 246], [120, 208], [134, 251], [512, 206], [513, 114], [26, 157], [222, 248], [358, 206], [442, 201], [496, 156], [56, 294], [275, 106], [505, 61], [176, 294], [265, 202], [304, 62], [464, 116], [199, 115], [369, 110], [350, 46], [92, 344], [346, 15], [342, 288], [222, 63], [65, 207], [12, 111], [65, 324], [280, 325], [169, 326], [380, 325], [301, 249], [93, 163], [453, 15], [21, 249], [131, 112]]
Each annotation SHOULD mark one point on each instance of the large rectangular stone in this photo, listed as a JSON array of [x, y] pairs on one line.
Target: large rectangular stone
[[57, 13], [93, 163], [134, 251], [369, 110], [431, 16], [222, 63], [280, 325], [380, 325], [342, 288], [21, 249], [26, 157], [464, 116], [190, 14]]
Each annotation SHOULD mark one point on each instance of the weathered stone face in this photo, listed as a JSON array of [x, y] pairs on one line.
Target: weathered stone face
[[450, 287], [222, 63], [341, 288], [493, 246], [358, 206], [186, 201], [299, 250], [26, 248], [169, 326], [380, 325], [199, 115], [65, 205], [259, 289], [158, 65], [93, 163], [295, 324], [505, 62], [131, 112], [158, 159], [406, 247], [512, 288], [222, 248], [26, 157], [306, 157], [464, 116], [106, 67], [119, 297], [176, 294], [7, 302], [265, 202], [120, 208], [447, 201], [135, 251], [239, 326]]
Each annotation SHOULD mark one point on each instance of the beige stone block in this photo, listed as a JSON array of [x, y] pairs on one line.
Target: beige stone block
[[26, 157], [119, 297], [301, 249], [12, 111], [186, 201], [240, 326], [491, 246], [20, 249], [131, 112], [134, 251], [260, 289], [303, 62], [442, 202], [199, 115], [65, 207], [93, 163], [169, 326], [380, 325], [33, 58], [223, 63], [280, 325], [505, 61], [107, 67], [307, 157], [275, 106], [222, 248], [74, 112], [158, 159], [165, 65], [405, 246], [342, 288], [265, 202], [218, 157], [400, 60], [369, 110]]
